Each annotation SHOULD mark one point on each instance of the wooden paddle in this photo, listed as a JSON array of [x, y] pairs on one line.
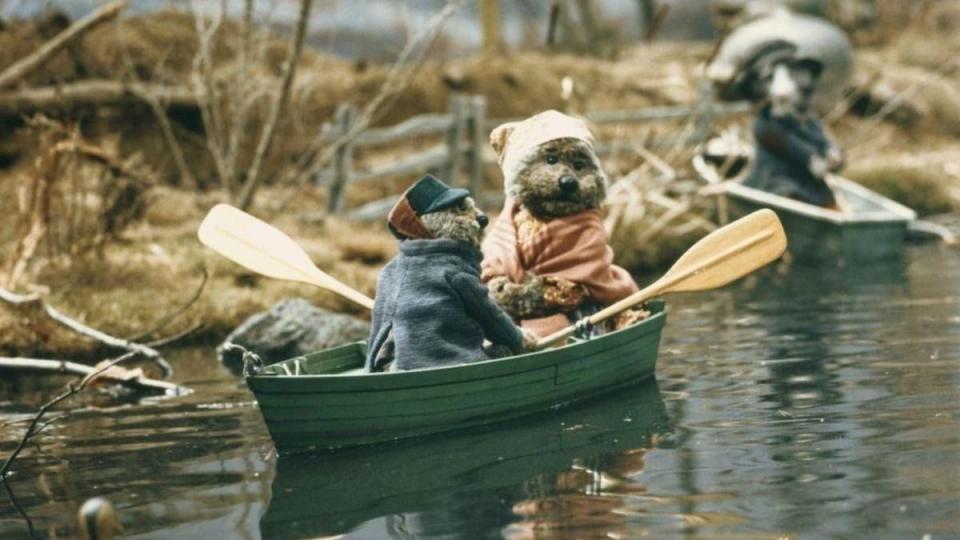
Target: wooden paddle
[[266, 250], [722, 256]]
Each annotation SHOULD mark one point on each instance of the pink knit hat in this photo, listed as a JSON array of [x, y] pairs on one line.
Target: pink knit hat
[[514, 141]]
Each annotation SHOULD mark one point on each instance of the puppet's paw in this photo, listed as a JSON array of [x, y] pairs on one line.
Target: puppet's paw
[[529, 340], [519, 300], [818, 166]]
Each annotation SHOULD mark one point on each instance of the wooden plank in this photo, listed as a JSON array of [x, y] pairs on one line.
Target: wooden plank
[[93, 93], [462, 373], [395, 396], [478, 141], [343, 159], [657, 114], [416, 126], [458, 112], [417, 163]]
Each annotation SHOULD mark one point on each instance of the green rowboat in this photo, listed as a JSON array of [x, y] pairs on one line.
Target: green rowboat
[[871, 227], [324, 400]]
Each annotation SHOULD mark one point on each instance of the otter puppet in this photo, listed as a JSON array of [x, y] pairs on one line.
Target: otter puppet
[[431, 308], [546, 258]]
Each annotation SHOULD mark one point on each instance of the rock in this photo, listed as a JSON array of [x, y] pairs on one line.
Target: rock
[[291, 328]]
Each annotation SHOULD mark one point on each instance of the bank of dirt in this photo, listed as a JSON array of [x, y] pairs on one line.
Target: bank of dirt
[[150, 267]]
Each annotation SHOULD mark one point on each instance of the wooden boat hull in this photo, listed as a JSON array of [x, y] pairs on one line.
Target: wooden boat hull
[[319, 401], [871, 226], [874, 228]]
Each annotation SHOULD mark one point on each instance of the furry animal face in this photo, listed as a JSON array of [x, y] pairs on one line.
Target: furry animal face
[[560, 178], [464, 222], [790, 87]]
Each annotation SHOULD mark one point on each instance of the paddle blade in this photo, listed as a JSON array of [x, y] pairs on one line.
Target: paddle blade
[[264, 249], [728, 253]]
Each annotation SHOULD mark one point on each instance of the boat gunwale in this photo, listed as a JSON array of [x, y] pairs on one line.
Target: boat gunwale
[[893, 212], [459, 373]]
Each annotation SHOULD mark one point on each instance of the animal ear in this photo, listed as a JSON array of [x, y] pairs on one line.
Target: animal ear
[[499, 136]]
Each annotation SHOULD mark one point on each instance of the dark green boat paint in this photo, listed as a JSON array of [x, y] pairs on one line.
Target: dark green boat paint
[[875, 228], [321, 401], [330, 493]]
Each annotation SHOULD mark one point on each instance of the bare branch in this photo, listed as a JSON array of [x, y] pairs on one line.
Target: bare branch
[[24, 67], [165, 321], [128, 377], [400, 74], [71, 389], [84, 330], [91, 93], [266, 137]]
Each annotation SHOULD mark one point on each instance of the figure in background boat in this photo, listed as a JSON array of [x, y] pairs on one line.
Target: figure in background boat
[[785, 62], [431, 308], [546, 259], [793, 152]]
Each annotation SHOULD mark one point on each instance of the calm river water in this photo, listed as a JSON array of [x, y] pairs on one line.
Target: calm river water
[[800, 404]]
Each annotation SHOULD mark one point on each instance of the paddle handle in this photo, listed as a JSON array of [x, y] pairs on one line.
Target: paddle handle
[[662, 285], [324, 281], [609, 311]]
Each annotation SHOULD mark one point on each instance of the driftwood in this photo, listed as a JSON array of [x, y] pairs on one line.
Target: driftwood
[[71, 389], [24, 67], [92, 93], [27, 301], [128, 377]]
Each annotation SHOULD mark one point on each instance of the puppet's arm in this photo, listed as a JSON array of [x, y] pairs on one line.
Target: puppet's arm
[[497, 325]]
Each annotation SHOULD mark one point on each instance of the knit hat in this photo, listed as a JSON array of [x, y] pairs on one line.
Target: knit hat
[[514, 141], [428, 195]]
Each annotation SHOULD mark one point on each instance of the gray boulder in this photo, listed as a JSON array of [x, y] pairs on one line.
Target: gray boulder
[[291, 328]]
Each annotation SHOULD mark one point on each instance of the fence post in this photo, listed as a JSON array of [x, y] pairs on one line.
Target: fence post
[[478, 140], [343, 159], [454, 134]]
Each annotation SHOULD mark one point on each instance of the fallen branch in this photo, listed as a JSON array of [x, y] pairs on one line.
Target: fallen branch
[[92, 93], [84, 330], [133, 378], [70, 390], [24, 67]]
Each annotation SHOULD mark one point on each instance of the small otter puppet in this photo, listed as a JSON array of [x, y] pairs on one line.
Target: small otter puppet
[[431, 308], [546, 259], [793, 153]]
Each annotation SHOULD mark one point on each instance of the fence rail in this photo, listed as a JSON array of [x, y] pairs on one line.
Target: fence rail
[[464, 129]]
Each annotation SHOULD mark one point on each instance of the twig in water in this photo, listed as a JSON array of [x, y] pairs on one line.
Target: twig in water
[[16, 505], [69, 391]]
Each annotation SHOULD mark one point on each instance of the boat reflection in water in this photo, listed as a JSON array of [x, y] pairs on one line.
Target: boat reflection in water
[[471, 484]]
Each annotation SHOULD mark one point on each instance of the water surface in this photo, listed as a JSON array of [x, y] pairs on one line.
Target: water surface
[[797, 404]]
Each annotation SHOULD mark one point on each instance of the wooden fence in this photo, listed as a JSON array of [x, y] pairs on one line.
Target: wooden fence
[[464, 130]]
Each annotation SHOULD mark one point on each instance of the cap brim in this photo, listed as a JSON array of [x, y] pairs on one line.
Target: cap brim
[[449, 198]]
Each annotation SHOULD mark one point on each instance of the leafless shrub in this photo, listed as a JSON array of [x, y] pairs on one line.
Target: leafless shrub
[[74, 197]]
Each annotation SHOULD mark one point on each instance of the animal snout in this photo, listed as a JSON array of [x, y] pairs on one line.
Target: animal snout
[[483, 220], [568, 184]]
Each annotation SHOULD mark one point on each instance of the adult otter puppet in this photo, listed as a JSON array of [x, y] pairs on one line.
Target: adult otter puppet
[[546, 258], [431, 308]]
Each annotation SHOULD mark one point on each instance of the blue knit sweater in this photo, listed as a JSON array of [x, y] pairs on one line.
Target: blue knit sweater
[[431, 298]]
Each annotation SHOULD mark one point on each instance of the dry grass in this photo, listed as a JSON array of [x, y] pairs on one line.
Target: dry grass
[[133, 283], [918, 188]]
